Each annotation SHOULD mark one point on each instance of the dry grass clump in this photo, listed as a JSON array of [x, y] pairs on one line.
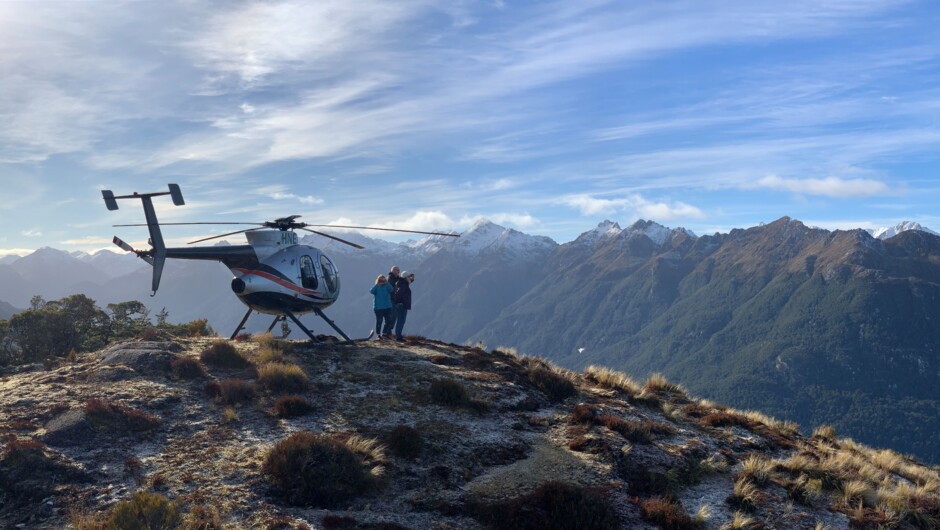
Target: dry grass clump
[[745, 495], [636, 432], [582, 413], [856, 492], [292, 407], [740, 522], [222, 354], [451, 393], [658, 383], [757, 469], [283, 378], [235, 391], [667, 512], [271, 349], [613, 380], [145, 511], [187, 368], [552, 506], [553, 381], [784, 428], [825, 432], [116, 416], [320, 470], [28, 473], [405, 441]]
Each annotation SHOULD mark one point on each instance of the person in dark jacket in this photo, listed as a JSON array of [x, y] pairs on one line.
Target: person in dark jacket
[[382, 303], [402, 302], [394, 276]]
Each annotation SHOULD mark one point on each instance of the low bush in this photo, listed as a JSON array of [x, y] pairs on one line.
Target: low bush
[[187, 368], [582, 413], [555, 385], [116, 416], [451, 393], [282, 378], [235, 391], [223, 355], [320, 470], [145, 511], [292, 407], [552, 506], [667, 513], [405, 441]]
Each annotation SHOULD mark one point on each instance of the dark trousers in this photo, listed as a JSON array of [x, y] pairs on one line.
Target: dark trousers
[[386, 315], [401, 314]]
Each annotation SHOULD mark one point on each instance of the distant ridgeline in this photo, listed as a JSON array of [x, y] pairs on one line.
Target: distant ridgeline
[[810, 325]]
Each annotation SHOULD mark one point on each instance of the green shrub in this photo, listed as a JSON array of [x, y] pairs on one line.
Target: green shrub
[[405, 441], [223, 355], [187, 368], [319, 470], [292, 406], [282, 378], [552, 506], [145, 511]]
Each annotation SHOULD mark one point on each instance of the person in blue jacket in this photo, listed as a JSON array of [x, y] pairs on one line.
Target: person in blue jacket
[[402, 302], [382, 303]]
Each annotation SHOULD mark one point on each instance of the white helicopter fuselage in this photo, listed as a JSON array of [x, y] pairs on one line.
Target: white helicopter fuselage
[[286, 275]]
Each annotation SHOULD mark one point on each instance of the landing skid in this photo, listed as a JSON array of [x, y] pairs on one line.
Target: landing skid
[[295, 320]]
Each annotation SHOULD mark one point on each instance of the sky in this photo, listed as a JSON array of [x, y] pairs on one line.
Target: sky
[[546, 117]]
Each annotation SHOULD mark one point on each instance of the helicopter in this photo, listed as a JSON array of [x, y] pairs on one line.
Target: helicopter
[[273, 273]]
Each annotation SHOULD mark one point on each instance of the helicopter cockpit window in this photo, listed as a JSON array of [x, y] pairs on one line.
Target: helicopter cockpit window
[[308, 275], [329, 273]]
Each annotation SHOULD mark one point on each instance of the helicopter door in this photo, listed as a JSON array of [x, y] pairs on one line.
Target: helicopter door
[[330, 278], [308, 275]]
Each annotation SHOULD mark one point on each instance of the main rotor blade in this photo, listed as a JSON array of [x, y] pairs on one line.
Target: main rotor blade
[[334, 237], [198, 223], [386, 230], [223, 235]]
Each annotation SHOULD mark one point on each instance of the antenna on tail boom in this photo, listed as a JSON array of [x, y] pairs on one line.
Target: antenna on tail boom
[[157, 255]]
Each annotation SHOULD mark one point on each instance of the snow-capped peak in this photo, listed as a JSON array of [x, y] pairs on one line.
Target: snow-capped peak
[[903, 226], [603, 230]]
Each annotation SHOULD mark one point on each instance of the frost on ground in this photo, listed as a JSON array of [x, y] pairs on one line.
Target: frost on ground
[[453, 437]]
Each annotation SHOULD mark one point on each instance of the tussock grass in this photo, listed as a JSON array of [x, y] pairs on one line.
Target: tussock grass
[[235, 391], [658, 383], [144, 511], [324, 471], [554, 382], [740, 521], [666, 512], [115, 416], [405, 441], [858, 491], [745, 495], [292, 407], [757, 469], [187, 368], [283, 378], [222, 354], [613, 380], [452, 393], [636, 432], [825, 432]]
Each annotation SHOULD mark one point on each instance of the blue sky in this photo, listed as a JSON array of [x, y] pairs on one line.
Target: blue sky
[[547, 117]]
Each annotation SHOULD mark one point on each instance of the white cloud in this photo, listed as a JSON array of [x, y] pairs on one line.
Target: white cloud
[[31, 232], [657, 211], [829, 186], [521, 221], [88, 240], [279, 193]]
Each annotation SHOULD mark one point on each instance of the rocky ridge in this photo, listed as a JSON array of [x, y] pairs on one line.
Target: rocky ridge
[[457, 437]]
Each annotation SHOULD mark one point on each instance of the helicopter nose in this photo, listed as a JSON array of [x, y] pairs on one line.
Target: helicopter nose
[[238, 285]]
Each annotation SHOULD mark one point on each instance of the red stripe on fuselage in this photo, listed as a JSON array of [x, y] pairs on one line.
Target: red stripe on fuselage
[[280, 281]]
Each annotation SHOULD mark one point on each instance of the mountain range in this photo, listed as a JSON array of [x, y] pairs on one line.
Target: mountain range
[[806, 324]]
